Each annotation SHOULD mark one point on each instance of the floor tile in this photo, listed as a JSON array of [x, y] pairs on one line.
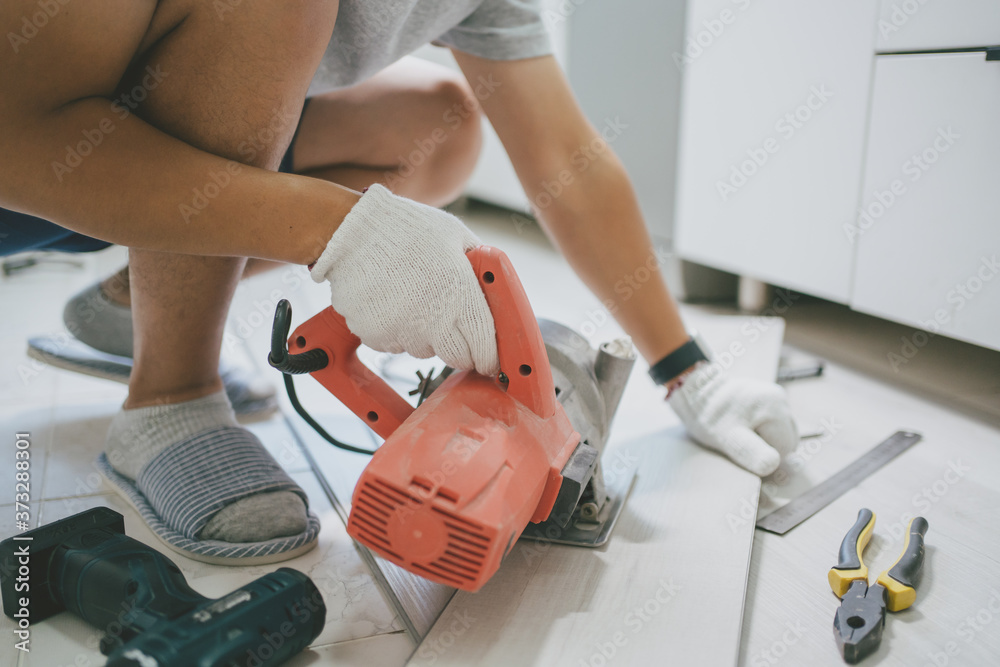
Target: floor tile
[[389, 650]]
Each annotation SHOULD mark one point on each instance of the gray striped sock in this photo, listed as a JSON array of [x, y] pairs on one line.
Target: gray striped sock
[[136, 436]]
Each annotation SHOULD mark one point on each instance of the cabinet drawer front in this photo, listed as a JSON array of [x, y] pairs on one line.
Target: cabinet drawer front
[[922, 25], [928, 229]]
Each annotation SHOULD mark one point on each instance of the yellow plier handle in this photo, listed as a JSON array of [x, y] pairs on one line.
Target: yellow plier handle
[[850, 565]]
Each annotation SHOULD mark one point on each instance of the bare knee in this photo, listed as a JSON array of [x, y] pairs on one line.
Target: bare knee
[[462, 113], [243, 106], [457, 138]]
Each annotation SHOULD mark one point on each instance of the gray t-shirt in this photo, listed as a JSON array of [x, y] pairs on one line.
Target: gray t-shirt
[[369, 35]]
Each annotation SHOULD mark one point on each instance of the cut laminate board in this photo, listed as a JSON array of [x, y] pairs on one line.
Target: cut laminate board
[[672, 579]]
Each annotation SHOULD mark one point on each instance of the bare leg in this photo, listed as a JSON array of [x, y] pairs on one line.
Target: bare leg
[[180, 301]]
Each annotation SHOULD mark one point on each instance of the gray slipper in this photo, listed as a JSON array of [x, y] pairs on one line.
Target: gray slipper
[[250, 396], [185, 485]]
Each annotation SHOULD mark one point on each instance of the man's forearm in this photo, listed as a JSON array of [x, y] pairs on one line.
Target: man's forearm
[[595, 220], [597, 224], [136, 186]]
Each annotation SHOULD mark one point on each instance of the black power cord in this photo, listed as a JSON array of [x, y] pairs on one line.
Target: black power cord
[[297, 364], [290, 389]]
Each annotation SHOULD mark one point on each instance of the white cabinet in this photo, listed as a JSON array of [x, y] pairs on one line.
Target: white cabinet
[[886, 195], [928, 238], [773, 111]]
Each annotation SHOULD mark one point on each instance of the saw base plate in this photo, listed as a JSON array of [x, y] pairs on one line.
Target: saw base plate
[[588, 532]]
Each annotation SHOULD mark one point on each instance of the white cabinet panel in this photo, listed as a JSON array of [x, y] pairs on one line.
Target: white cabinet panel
[[772, 132], [929, 238], [923, 25]]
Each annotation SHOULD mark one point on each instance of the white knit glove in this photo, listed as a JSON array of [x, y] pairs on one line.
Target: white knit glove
[[399, 275], [747, 420]]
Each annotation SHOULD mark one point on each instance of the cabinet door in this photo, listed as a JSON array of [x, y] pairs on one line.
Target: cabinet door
[[928, 235], [924, 25], [773, 109]]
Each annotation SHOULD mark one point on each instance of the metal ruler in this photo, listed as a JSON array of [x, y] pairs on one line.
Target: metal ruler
[[798, 510]]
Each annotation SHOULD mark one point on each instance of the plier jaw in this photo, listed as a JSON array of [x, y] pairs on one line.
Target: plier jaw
[[858, 623]]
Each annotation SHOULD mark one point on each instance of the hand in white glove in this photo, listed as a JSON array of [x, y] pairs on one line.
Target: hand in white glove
[[399, 275], [747, 420]]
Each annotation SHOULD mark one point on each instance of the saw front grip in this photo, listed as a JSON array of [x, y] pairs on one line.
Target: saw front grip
[[524, 370]]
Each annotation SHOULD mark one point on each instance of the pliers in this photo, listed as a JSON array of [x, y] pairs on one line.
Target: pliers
[[857, 626]]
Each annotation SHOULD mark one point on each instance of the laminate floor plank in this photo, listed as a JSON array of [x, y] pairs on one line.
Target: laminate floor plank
[[673, 576]]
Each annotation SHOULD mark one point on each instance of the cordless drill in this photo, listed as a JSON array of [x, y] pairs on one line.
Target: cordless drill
[[149, 614]]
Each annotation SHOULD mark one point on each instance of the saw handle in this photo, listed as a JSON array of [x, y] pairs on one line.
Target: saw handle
[[524, 367], [524, 364]]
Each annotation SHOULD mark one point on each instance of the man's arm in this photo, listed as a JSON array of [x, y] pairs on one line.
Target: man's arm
[[595, 220], [71, 155]]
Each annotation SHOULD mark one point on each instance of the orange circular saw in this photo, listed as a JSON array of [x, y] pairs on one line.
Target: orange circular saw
[[460, 477]]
